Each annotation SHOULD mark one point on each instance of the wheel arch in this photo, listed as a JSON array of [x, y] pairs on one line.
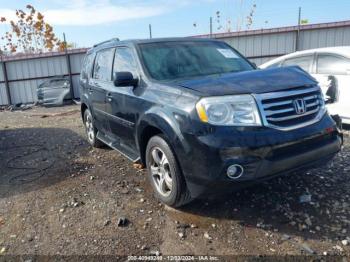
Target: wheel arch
[[160, 122]]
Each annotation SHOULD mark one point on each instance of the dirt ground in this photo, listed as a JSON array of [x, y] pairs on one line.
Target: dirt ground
[[60, 196]]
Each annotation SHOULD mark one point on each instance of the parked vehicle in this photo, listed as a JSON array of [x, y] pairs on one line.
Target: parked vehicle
[[54, 91], [331, 68], [199, 116]]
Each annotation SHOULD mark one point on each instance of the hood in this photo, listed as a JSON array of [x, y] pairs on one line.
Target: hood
[[249, 82]]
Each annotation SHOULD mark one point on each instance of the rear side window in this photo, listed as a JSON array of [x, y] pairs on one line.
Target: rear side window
[[103, 65], [332, 65], [124, 61], [87, 64], [302, 61]]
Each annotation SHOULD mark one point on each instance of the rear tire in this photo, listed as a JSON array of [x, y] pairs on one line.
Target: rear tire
[[91, 130], [165, 174]]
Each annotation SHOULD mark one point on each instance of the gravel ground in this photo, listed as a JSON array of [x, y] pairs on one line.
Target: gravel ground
[[60, 196]]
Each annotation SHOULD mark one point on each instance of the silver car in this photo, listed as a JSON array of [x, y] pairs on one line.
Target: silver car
[[54, 91]]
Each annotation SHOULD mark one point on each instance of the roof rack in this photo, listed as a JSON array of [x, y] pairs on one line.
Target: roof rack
[[110, 40]]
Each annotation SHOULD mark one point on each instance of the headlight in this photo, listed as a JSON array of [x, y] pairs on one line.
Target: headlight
[[238, 110]]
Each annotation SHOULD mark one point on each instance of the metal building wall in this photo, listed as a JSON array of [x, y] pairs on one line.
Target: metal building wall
[[261, 48], [325, 38], [263, 45]]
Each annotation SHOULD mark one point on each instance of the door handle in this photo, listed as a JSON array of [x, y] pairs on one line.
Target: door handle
[[109, 97], [90, 90]]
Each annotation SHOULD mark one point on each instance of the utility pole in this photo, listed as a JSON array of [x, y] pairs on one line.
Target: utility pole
[[211, 27], [297, 40], [150, 31], [69, 68]]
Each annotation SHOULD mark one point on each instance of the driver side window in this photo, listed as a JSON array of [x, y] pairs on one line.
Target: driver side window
[[124, 61]]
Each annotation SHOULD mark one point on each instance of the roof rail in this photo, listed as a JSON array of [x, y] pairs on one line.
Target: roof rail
[[110, 40]]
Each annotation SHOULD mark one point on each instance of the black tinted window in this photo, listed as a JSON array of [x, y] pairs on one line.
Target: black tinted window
[[303, 61], [174, 60], [124, 61], [103, 65], [332, 65]]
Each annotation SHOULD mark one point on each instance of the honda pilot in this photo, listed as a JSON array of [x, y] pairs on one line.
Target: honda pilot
[[200, 117]]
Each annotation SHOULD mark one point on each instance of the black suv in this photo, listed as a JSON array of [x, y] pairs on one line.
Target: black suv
[[201, 117]]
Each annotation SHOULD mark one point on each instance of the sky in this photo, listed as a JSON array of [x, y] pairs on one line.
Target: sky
[[86, 22]]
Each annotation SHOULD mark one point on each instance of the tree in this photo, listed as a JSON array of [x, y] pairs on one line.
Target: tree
[[304, 21], [29, 33], [227, 27], [249, 21]]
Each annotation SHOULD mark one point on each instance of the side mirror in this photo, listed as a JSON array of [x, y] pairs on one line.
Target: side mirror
[[124, 79]]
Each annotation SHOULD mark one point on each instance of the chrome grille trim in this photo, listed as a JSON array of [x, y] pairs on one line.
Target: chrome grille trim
[[292, 117], [277, 108]]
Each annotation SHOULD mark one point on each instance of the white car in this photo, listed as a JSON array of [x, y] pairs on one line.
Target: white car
[[331, 68]]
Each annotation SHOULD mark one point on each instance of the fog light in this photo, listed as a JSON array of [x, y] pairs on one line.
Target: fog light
[[234, 171]]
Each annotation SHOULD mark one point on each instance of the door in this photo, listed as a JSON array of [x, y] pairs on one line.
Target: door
[[97, 86], [335, 69], [123, 105]]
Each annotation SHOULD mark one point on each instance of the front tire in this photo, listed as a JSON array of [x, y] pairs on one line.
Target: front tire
[[165, 174], [91, 130]]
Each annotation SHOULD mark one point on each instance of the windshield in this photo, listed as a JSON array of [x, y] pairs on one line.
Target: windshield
[[176, 60]]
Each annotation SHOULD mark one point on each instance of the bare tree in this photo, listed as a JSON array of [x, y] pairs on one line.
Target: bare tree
[[241, 22], [29, 33], [250, 16]]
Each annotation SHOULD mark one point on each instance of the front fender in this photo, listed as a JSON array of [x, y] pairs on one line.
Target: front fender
[[167, 122]]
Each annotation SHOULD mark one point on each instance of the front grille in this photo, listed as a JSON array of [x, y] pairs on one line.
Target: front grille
[[278, 108]]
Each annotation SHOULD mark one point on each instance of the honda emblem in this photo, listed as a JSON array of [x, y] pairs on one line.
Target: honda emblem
[[299, 106]]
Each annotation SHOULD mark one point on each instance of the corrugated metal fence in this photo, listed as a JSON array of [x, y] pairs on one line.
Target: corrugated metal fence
[[20, 75], [25, 73], [263, 45]]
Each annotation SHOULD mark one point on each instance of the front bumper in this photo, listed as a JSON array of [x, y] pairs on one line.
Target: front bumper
[[262, 152]]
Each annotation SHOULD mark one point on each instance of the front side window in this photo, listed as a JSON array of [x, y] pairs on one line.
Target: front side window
[[103, 65], [303, 61], [187, 59], [124, 61], [332, 65]]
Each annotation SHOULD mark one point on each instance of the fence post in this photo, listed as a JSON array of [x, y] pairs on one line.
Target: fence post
[[68, 67], [297, 37], [7, 86]]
